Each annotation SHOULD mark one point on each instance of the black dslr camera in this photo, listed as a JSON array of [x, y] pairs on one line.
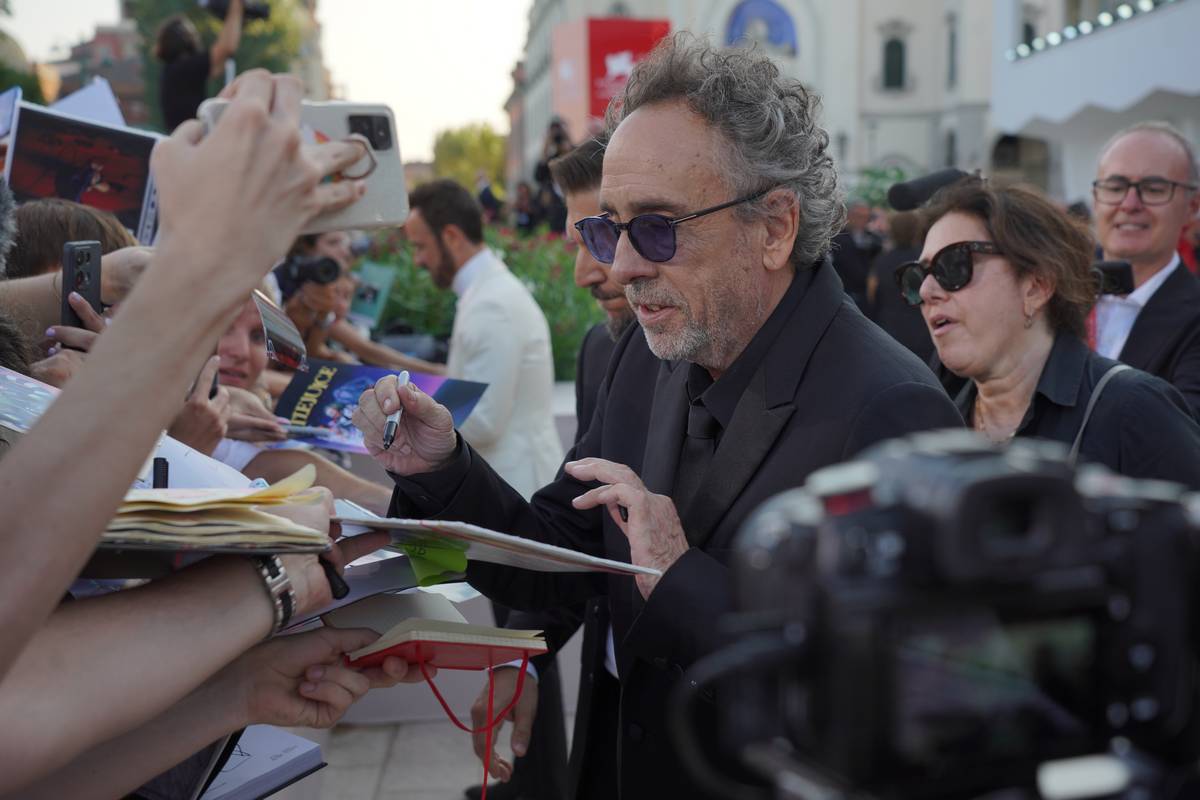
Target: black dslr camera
[[296, 271], [939, 618], [251, 9]]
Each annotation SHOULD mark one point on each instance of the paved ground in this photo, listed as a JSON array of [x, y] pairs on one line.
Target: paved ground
[[409, 761]]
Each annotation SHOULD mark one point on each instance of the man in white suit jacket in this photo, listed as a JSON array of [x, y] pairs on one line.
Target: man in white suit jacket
[[500, 337]]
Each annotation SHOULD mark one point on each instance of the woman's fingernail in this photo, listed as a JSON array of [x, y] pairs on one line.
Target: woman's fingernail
[[308, 687], [76, 296], [49, 333], [315, 673]]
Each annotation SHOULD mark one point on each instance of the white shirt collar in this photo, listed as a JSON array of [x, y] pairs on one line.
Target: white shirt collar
[[1141, 295], [468, 273]]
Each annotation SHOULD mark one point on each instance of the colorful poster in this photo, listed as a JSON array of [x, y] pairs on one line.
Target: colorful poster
[[325, 398], [57, 155], [371, 294], [22, 400]]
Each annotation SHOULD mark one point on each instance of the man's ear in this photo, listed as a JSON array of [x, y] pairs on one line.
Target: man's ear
[[782, 223], [452, 238]]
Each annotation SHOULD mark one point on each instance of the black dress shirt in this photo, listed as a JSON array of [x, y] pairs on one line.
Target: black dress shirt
[[1140, 427]]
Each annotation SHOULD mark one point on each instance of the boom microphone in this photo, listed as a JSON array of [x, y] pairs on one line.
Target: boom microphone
[[913, 194]]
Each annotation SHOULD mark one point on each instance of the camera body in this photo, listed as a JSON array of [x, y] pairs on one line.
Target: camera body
[[298, 270], [962, 615], [251, 9]]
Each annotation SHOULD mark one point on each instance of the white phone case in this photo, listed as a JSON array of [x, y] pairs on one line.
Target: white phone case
[[385, 203]]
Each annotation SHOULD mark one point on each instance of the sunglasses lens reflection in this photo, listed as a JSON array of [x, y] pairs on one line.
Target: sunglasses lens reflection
[[653, 237], [911, 277], [953, 269], [600, 237]]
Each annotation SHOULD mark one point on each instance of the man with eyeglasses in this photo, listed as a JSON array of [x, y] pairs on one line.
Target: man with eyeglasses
[[1146, 192], [749, 370]]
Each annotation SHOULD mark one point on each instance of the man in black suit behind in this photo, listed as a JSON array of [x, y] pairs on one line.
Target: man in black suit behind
[[1147, 190], [750, 369], [538, 733]]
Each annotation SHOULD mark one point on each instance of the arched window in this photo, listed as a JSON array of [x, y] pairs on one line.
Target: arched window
[[893, 64]]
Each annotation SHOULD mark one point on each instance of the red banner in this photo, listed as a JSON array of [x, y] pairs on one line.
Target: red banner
[[614, 46]]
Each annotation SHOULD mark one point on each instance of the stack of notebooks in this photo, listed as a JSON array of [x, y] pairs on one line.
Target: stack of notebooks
[[216, 520]]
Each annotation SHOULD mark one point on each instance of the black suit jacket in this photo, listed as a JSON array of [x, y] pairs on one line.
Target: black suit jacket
[[560, 624], [831, 384], [1165, 339]]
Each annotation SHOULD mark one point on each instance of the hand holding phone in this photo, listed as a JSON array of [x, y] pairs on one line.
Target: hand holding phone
[[81, 274], [385, 203]]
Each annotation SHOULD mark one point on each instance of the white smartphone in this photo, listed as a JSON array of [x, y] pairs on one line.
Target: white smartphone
[[385, 203]]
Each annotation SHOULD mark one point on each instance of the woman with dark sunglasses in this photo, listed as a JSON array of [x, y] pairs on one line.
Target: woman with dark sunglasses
[[1005, 285]]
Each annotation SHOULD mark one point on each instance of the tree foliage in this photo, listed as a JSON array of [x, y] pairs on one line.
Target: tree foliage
[[873, 183], [31, 90], [272, 44], [461, 152]]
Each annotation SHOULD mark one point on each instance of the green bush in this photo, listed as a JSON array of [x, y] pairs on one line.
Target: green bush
[[543, 263]]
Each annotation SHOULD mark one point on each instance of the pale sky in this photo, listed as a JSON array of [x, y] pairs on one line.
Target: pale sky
[[438, 63]]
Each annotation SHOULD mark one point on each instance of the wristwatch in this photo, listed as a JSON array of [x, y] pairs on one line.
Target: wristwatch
[[279, 589]]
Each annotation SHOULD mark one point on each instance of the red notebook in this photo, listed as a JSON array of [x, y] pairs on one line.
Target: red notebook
[[421, 627]]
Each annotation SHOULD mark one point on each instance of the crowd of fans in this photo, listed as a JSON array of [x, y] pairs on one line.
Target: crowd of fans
[[736, 357]]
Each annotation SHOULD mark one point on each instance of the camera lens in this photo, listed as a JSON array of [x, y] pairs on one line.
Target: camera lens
[[79, 257], [383, 134], [80, 280]]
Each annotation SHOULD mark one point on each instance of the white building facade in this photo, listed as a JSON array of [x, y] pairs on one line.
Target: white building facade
[[923, 84]]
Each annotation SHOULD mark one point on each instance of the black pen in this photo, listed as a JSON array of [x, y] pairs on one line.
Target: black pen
[[337, 584]]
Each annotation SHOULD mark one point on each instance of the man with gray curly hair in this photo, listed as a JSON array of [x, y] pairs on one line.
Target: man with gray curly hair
[[749, 370]]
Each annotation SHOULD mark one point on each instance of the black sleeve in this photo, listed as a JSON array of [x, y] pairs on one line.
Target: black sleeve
[[1158, 436], [558, 624], [1185, 372], [469, 490], [898, 410]]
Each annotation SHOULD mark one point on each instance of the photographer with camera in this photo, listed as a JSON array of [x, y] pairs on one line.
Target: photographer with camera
[[187, 66], [548, 203], [1005, 285], [316, 284]]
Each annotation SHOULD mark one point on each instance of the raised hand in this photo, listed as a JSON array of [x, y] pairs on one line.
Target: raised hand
[[649, 521]]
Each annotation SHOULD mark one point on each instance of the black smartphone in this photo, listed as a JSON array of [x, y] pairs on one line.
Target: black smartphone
[[1116, 277], [80, 273]]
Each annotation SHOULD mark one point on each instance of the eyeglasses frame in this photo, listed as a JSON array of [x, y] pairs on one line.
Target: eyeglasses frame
[[1137, 187], [620, 227]]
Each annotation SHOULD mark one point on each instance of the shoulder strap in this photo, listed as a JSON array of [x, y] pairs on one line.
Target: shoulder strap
[[1087, 413]]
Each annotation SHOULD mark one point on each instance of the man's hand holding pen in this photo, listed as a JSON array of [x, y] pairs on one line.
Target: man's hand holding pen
[[424, 440]]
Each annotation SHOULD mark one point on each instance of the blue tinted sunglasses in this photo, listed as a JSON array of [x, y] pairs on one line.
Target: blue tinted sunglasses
[[652, 235]]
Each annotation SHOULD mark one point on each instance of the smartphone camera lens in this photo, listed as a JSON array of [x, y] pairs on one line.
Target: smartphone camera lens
[[79, 257], [383, 134], [375, 128], [81, 280]]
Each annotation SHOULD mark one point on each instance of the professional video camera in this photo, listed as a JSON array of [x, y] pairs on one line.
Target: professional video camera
[[251, 9], [940, 617], [298, 270]]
